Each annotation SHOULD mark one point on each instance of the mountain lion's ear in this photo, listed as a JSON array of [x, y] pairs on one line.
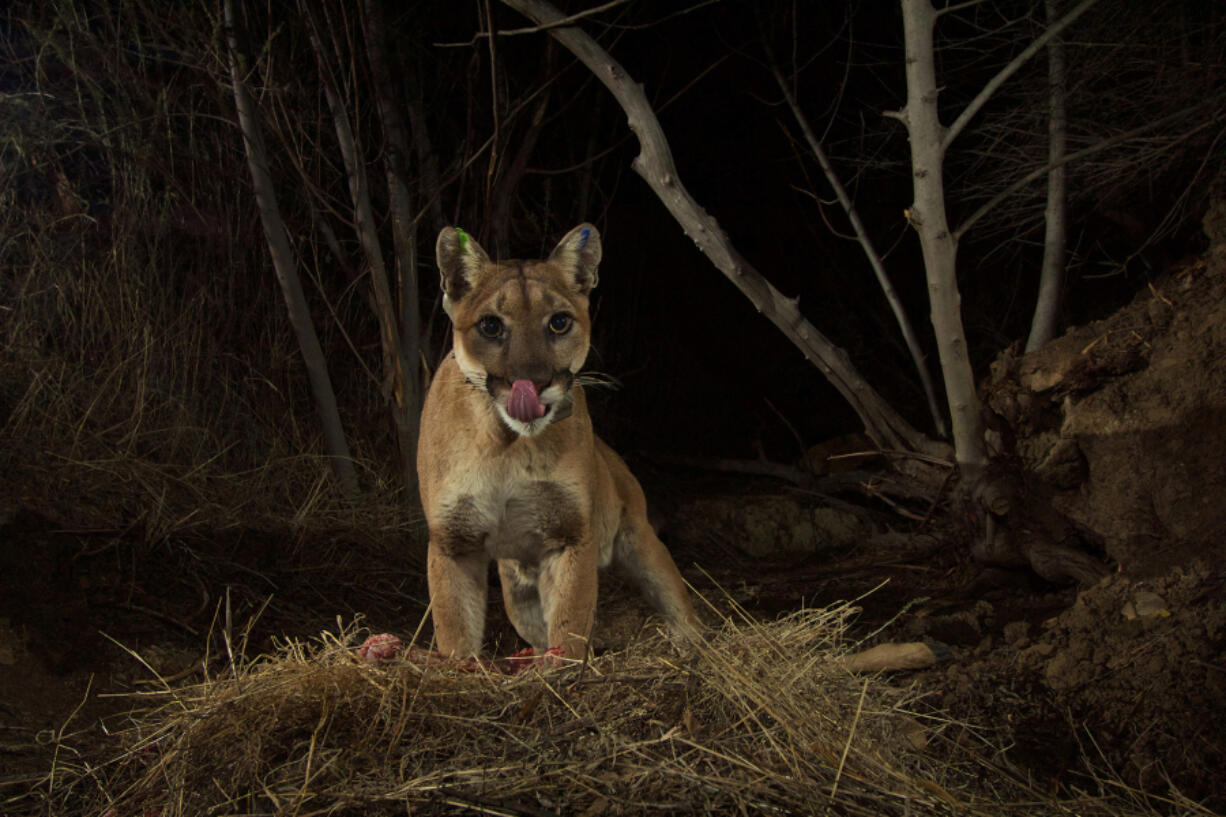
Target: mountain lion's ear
[[579, 254], [460, 259]]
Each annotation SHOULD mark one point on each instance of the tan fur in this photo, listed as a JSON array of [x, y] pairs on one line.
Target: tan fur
[[547, 499]]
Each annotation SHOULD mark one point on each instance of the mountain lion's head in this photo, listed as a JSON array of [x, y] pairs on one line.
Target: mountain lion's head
[[521, 328]]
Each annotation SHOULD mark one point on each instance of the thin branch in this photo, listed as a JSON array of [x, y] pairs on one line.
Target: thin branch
[[959, 6], [663, 106], [1082, 154], [874, 260], [566, 21], [1009, 70], [494, 154], [665, 18]]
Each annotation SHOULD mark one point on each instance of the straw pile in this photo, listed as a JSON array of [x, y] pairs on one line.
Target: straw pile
[[761, 719]]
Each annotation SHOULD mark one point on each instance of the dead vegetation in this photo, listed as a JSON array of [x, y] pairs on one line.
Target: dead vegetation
[[760, 719], [148, 383]]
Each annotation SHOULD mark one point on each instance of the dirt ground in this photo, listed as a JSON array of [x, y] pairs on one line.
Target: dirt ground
[[1119, 425]]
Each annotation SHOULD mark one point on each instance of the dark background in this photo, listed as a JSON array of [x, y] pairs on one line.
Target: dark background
[[135, 116]]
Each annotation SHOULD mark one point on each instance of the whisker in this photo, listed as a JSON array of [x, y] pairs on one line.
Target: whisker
[[598, 380]]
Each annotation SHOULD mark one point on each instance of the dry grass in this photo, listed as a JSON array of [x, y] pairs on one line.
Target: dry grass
[[149, 382], [759, 720]]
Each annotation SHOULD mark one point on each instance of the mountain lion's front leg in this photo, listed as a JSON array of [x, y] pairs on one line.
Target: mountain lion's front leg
[[568, 583], [522, 598], [458, 588]]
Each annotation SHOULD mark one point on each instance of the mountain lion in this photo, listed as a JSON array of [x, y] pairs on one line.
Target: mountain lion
[[510, 468]]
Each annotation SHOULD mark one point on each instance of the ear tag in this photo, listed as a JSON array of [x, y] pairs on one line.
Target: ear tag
[[583, 234], [463, 240]]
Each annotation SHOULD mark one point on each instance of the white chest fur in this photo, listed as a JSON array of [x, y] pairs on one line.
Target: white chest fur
[[508, 511]]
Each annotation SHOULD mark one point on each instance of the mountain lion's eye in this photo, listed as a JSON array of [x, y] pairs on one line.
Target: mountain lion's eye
[[560, 323], [489, 327]]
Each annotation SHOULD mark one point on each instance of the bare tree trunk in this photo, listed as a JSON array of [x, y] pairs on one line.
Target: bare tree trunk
[[408, 399], [993, 492], [1055, 239], [929, 141], [396, 370], [940, 248], [655, 164], [283, 262], [874, 259]]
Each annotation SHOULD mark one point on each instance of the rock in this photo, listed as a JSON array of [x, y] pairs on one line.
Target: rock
[[1145, 604], [1038, 377], [1017, 633], [769, 525]]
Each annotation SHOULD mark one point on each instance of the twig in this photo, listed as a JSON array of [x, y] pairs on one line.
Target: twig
[[838, 775], [512, 32]]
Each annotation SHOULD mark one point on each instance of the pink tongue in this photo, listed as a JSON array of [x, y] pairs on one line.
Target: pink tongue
[[523, 403]]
